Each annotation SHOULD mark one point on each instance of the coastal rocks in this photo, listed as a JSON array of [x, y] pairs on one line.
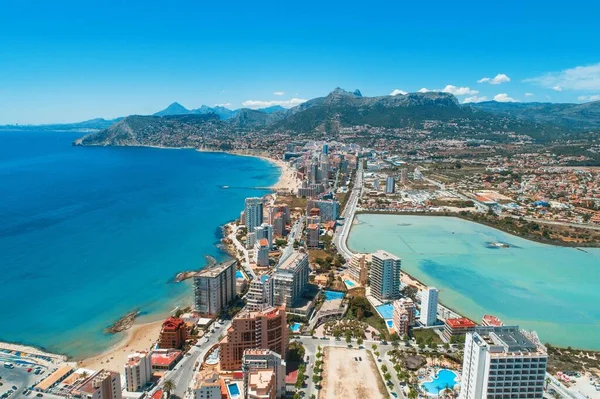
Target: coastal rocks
[[181, 276], [124, 323]]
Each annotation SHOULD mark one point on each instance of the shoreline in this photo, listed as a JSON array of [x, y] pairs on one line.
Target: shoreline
[[411, 277]]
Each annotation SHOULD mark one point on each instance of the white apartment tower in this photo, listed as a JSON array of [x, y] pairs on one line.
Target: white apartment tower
[[257, 360], [503, 362], [138, 371], [385, 276], [429, 305], [214, 288], [290, 279], [253, 213], [265, 230]]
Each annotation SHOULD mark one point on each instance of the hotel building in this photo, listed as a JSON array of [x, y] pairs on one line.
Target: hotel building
[[455, 327], [253, 213], [357, 269], [207, 385], [312, 236], [214, 288], [403, 315], [385, 276], [429, 305], [290, 279], [264, 374], [172, 334], [261, 253], [503, 362], [104, 384], [266, 329], [138, 371]]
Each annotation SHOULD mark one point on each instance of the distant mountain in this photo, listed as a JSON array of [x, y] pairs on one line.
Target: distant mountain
[[578, 116], [251, 118], [222, 112], [174, 109], [344, 108], [270, 110], [92, 124]]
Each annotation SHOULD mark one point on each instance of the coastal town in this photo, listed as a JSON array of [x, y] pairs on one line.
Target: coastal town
[[296, 313]]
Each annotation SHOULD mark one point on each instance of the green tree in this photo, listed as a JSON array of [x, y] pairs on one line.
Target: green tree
[[168, 387], [359, 341]]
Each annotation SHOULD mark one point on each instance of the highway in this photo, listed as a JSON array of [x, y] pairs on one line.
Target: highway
[[341, 234]]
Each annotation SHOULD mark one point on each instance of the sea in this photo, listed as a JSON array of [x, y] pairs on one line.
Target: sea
[[88, 234], [550, 289]]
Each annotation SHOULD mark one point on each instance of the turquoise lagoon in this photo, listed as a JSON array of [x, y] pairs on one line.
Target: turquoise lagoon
[[90, 233], [553, 290]]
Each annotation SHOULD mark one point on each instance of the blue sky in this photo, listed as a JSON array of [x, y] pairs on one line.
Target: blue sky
[[63, 61]]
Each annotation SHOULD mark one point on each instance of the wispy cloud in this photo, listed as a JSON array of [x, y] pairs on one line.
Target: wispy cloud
[[459, 91], [223, 105], [496, 80], [397, 91], [556, 88], [475, 99], [578, 78], [254, 104], [504, 98], [594, 97], [279, 93], [529, 94]]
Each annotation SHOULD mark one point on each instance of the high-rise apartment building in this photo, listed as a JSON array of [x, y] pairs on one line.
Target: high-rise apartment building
[[390, 185], [429, 305], [104, 384], [385, 276], [214, 288], [261, 252], [253, 213], [264, 374], [265, 231], [207, 385], [138, 371], [328, 209], [290, 279], [172, 334], [260, 294], [503, 362], [357, 269], [265, 329], [403, 315], [312, 236]]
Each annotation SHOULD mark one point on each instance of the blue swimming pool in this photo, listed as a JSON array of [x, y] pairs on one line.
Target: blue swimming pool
[[295, 327], [385, 311], [239, 274], [390, 323], [333, 295], [234, 390], [438, 384], [264, 277], [349, 283]]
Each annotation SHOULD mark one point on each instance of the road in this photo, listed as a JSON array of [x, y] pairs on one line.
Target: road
[[238, 245], [341, 234], [295, 232], [183, 373]]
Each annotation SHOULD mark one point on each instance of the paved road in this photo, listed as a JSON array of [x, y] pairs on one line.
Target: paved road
[[341, 234], [183, 373]]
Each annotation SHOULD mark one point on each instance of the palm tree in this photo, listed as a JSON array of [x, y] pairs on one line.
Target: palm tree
[[169, 386]]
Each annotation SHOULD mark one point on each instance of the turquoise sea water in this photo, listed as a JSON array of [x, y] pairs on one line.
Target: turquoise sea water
[[90, 233], [553, 290]]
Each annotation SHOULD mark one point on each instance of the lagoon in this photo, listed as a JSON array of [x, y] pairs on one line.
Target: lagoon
[[553, 290], [90, 233]]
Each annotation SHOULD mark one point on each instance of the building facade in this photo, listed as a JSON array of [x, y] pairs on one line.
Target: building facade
[[357, 269], [264, 374], [290, 279], [503, 362], [207, 385], [266, 329], [104, 384], [403, 316], [390, 185], [253, 213], [265, 231], [261, 252], [172, 334], [214, 288], [385, 276], [138, 371], [429, 305], [312, 236], [328, 209]]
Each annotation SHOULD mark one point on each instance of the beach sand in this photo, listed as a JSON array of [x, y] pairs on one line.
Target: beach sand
[[140, 337], [288, 180]]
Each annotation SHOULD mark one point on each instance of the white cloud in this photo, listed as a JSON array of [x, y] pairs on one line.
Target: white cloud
[[254, 104], [424, 90], [578, 78], [459, 91], [496, 80], [223, 105], [529, 94], [504, 98], [279, 93], [397, 91], [556, 88], [595, 97], [475, 99]]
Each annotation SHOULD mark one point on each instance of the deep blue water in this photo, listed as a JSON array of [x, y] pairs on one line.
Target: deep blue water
[[90, 233]]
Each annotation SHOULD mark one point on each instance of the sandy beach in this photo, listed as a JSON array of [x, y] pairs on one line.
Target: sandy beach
[[140, 337]]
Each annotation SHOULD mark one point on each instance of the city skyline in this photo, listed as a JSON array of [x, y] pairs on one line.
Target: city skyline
[[85, 61]]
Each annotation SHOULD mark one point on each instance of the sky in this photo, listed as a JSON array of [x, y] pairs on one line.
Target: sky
[[67, 61]]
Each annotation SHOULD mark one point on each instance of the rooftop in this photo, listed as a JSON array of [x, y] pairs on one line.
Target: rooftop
[[164, 358], [216, 269], [384, 255], [260, 379], [292, 261], [53, 378], [461, 322], [172, 324]]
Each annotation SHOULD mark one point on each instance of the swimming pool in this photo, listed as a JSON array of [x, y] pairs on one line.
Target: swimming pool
[[333, 295], [239, 274], [295, 327], [438, 384], [264, 277], [234, 390], [390, 323], [350, 283], [386, 311]]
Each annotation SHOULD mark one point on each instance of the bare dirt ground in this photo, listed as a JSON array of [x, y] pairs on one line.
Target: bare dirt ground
[[344, 377]]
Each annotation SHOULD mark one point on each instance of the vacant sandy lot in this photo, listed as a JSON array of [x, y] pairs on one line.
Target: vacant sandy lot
[[343, 377]]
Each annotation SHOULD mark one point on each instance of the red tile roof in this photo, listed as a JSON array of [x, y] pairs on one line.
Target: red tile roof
[[172, 324], [462, 322]]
